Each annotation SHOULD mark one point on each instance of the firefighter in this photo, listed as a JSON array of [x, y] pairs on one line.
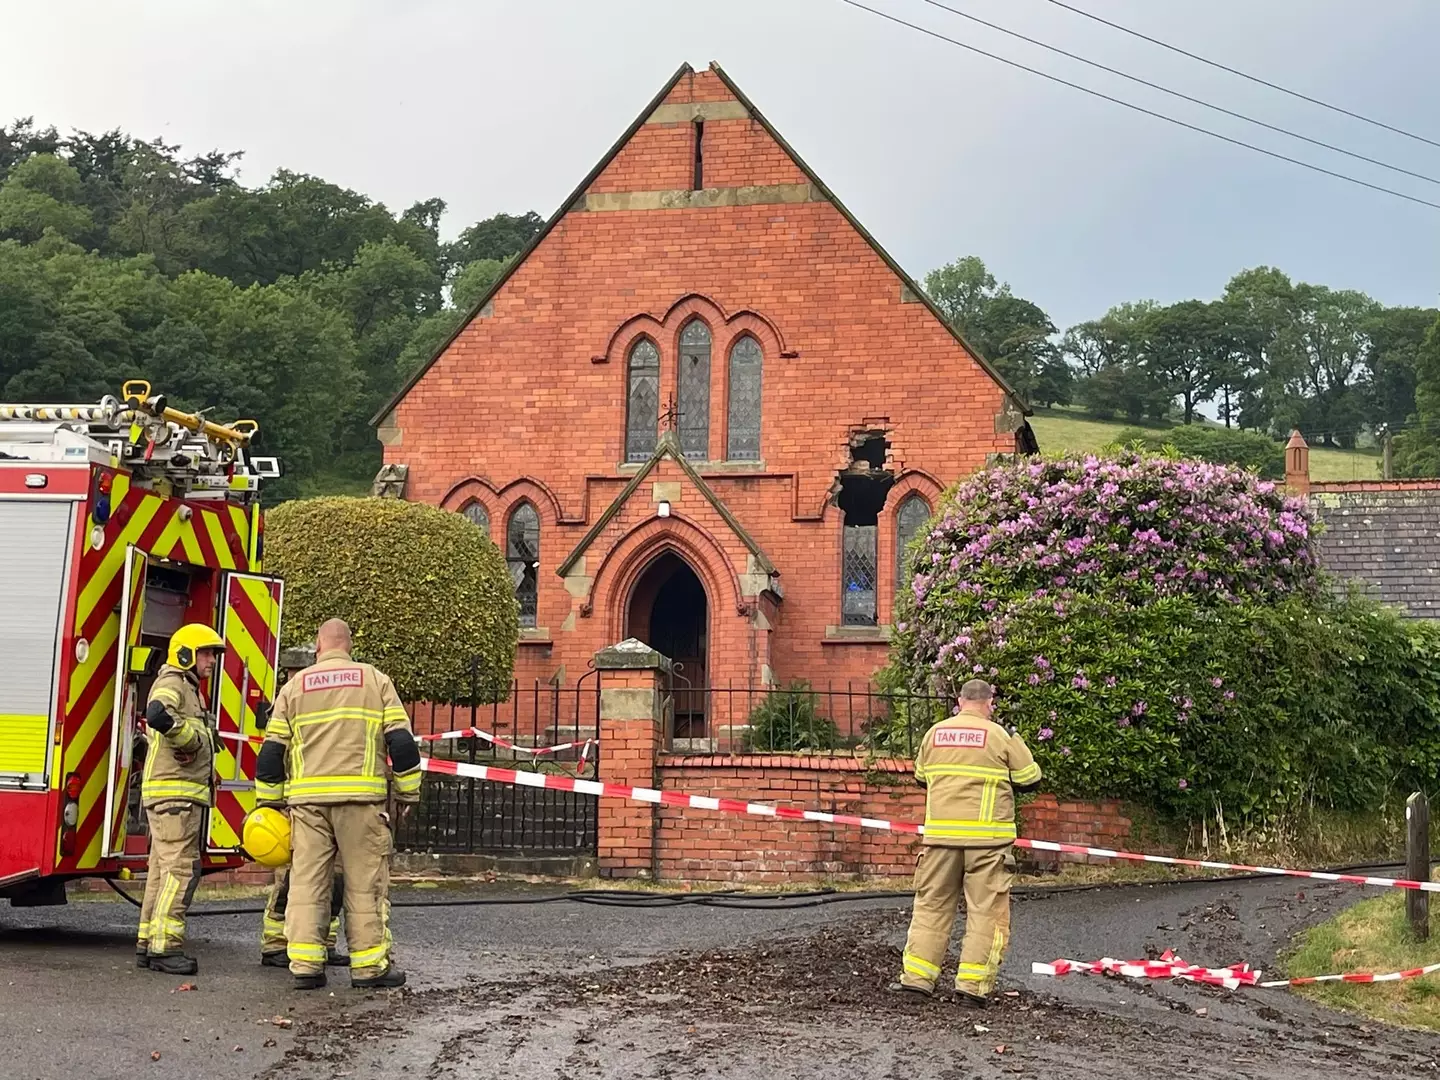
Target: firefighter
[[971, 767], [175, 791], [324, 758], [274, 945]]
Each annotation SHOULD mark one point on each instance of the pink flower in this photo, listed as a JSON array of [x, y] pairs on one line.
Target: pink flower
[[1184, 784], [1217, 683], [1064, 751], [1034, 679], [1046, 734]]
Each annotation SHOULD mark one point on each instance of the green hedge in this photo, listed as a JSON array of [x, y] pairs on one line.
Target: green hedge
[[424, 591], [1222, 446]]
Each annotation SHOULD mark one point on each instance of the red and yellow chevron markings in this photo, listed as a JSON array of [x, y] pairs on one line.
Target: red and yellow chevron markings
[[213, 536], [248, 677]]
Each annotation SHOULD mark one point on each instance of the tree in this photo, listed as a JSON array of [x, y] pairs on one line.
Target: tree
[[1011, 332], [43, 193], [1109, 354], [497, 237], [1397, 339], [1178, 351], [1417, 450], [962, 289]]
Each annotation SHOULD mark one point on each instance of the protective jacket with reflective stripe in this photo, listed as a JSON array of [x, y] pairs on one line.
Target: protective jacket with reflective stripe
[[968, 764], [179, 762], [332, 720]]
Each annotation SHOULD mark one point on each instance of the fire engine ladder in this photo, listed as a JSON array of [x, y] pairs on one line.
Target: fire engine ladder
[[166, 449]]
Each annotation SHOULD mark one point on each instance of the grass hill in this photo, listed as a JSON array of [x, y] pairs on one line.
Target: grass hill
[[1066, 429]]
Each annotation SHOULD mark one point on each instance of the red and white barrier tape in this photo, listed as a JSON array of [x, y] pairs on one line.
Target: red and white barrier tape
[[1170, 966], [496, 740], [737, 806], [465, 733]]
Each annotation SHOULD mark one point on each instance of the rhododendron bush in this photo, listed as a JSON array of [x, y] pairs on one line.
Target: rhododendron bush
[[1159, 630]]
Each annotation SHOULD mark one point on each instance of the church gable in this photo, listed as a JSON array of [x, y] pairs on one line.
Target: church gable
[[702, 137], [699, 145]]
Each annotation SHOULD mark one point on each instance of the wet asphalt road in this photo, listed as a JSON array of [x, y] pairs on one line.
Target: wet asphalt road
[[562, 990]]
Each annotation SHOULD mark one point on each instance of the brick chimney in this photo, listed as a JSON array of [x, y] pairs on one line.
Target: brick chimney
[[1297, 464]]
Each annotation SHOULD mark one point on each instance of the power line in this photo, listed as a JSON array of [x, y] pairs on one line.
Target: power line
[[1244, 74], [1182, 96], [1141, 109]]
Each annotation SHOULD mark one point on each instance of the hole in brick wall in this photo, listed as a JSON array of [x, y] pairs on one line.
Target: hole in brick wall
[[861, 490]]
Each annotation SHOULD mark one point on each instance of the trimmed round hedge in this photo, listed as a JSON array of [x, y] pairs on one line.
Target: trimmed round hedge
[[426, 592]]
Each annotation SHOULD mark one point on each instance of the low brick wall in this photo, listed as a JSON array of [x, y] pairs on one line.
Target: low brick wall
[[702, 845]]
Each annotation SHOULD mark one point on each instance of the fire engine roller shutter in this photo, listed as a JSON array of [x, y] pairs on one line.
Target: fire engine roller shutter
[[34, 548]]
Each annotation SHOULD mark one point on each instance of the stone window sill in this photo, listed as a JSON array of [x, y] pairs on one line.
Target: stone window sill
[[857, 635], [535, 635], [704, 468]]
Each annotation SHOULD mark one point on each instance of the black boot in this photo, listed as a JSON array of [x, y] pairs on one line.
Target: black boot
[[388, 979], [919, 993], [174, 964], [310, 982], [142, 958], [335, 958], [274, 959], [972, 1001]]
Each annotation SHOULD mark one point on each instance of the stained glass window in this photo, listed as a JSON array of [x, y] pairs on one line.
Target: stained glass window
[[477, 513], [693, 420], [743, 425], [642, 409], [859, 573], [522, 553], [909, 520]]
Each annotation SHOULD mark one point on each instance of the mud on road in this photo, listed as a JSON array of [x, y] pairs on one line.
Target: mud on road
[[590, 993], [813, 1003]]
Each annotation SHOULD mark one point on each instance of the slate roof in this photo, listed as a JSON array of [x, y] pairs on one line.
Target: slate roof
[[1387, 538]]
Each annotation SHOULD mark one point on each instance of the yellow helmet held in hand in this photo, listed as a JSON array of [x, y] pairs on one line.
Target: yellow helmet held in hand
[[265, 837], [186, 643]]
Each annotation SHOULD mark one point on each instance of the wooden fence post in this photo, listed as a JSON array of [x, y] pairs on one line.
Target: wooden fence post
[[1417, 862]]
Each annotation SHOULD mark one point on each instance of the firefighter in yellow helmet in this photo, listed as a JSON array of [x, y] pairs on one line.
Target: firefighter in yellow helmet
[[175, 791], [971, 767], [324, 757]]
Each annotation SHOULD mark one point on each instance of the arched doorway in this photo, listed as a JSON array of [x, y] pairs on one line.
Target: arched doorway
[[669, 612]]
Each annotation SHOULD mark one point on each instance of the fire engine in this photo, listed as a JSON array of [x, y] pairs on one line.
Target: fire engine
[[119, 522]]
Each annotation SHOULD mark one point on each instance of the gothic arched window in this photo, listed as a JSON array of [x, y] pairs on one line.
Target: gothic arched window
[[642, 400], [693, 420], [743, 420], [522, 553]]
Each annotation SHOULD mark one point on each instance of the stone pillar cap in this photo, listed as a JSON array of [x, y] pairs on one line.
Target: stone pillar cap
[[631, 655]]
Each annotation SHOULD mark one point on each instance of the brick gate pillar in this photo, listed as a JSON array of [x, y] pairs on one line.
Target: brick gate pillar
[[632, 691]]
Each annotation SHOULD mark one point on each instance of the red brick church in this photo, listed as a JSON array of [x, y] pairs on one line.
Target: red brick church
[[704, 408]]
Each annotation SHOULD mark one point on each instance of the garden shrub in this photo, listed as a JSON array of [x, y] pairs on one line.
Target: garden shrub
[[789, 720], [1220, 446], [426, 593], [1158, 630]]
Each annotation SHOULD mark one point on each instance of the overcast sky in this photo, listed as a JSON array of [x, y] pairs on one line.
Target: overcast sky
[[1077, 202]]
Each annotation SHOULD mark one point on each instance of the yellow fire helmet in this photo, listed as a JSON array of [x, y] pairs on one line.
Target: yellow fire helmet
[[265, 837], [187, 642]]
